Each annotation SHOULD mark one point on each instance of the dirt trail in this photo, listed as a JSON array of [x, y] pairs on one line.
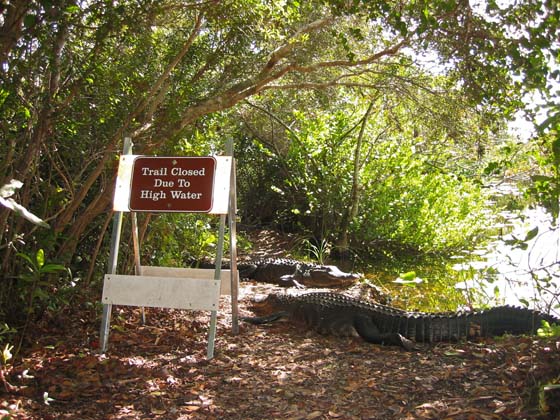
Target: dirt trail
[[160, 371]]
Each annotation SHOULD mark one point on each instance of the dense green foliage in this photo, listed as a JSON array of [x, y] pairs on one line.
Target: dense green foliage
[[379, 145], [411, 194]]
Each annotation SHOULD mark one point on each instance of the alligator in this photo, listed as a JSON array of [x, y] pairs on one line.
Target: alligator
[[288, 272], [340, 315]]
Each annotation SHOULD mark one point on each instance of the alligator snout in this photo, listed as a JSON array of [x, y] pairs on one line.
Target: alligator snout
[[264, 304], [329, 276]]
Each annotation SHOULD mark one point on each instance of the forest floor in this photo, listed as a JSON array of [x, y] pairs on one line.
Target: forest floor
[[160, 371]]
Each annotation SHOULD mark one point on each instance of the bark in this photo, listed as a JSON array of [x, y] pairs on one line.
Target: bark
[[26, 170], [341, 250], [91, 269], [11, 30]]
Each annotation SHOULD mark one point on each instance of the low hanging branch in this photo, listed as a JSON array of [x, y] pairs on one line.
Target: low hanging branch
[[275, 68], [65, 218]]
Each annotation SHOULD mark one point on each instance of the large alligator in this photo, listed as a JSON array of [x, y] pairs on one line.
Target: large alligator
[[288, 272], [333, 313]]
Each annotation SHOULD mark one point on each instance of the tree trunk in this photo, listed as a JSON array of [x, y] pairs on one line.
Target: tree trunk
[[10, 32], [341, 249]]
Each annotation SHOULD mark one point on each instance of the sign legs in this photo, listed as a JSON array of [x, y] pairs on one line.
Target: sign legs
[[211, 335], [165, 173], [113, 259], [105, 326]]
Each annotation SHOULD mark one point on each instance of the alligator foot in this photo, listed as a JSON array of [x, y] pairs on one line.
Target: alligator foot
[[407, 344], [259, 320], [367, 329], [290, 280], [394, 339]]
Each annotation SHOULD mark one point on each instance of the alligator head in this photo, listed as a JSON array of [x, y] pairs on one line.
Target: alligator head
[[325, 276], [266, 304]]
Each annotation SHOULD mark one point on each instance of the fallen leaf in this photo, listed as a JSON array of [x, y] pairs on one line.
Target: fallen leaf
[[158, 412]]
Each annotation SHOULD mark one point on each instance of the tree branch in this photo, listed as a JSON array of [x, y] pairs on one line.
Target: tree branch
[[65, 218]]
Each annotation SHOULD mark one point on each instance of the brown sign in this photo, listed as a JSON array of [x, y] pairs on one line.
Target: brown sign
[[172, 184]]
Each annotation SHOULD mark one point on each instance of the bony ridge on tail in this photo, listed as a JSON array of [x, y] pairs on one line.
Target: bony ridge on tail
[[340, 315]]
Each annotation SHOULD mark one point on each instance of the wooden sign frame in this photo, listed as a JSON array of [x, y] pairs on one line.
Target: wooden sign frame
[[173, 180]]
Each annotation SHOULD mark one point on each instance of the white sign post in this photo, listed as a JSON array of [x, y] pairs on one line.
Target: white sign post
[[172, 184]]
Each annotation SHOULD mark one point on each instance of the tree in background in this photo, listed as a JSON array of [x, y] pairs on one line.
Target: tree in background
[[403, 168]]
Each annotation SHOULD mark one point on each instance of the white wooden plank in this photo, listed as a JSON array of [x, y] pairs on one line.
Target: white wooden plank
[[194, 273], [220, 203], [122, 186], [161, 292]]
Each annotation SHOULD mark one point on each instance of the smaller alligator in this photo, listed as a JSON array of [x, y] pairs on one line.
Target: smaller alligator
[[287, 272], [336, 314]]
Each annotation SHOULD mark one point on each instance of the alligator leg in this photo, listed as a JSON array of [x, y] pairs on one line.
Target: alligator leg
[[246, 271], [396, 339], [290, 280], [259, 320], [367, 329]]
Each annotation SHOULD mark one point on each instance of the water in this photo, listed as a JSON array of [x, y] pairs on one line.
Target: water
[[511, 269], [515, 271]]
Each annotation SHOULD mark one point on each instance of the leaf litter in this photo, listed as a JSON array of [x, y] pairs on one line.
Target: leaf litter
[[160, 371]]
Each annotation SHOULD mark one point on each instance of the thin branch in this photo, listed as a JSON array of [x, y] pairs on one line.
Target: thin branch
[[282, 51], [263, 80], [170, 67], [321, 85], [350, 63], [273, 116], [89, 275], [119, 134]]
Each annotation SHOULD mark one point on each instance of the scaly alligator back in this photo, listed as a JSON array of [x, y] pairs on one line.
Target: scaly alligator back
[[289, 272], [332, 313]]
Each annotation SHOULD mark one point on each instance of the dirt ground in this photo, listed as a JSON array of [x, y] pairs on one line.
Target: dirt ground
[[160, 371]]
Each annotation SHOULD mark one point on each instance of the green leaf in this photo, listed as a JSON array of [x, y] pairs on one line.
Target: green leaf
[[548, 330], [410, 275], [26, 258], [532, 234], [541, 178], [3, 96], [29, 21], [40, 257], [72, 9], [52, 268], [556, 152]]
